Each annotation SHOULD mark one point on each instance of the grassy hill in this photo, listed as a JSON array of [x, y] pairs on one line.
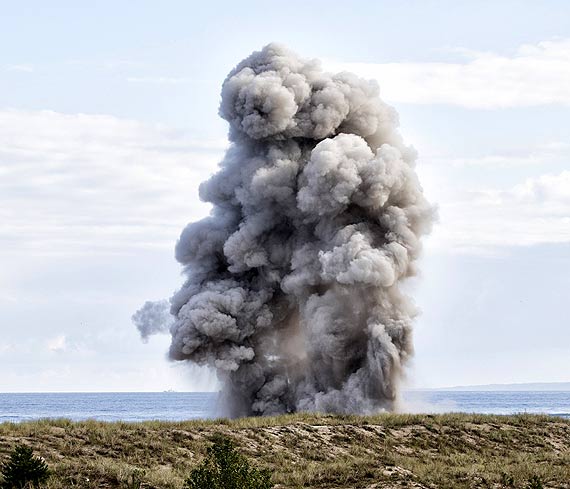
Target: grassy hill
[[304, 450]]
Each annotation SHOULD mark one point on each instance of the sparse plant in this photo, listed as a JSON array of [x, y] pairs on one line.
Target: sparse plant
[[535, 482], [135, 479], [226, 468], [507, 480], [23, 469]]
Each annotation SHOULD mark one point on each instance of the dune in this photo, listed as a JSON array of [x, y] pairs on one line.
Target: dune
[[309, 450]]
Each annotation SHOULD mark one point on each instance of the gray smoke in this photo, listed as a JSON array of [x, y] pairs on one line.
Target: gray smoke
[[153, 318], [292, 288]]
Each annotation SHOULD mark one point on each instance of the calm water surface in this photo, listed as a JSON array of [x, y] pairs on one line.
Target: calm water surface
[[193, 405]]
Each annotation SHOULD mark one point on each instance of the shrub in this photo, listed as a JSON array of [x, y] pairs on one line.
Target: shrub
[[225, 468], [23, 469]]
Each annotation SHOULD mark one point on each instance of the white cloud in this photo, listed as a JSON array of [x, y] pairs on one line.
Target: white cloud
[[19, 68], [95, 183], [57, 344], [536, 211], [553, 190], [545, 155], [541, 155], [7, 297], [535, 75]]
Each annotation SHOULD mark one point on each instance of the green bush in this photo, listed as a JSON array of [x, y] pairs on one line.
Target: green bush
[[225, 468], [23, 469]]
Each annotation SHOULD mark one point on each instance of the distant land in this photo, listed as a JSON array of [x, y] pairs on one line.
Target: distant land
[[529, 386]]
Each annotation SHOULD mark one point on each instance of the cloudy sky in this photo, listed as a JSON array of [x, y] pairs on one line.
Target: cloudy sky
[[108, 122]]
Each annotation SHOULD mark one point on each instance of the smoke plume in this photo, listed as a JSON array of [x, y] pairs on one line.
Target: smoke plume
[[292, 288]]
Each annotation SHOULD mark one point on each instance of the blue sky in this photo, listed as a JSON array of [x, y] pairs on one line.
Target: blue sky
[[108, 122]]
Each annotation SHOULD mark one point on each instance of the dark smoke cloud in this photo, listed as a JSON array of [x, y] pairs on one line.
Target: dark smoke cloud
[[293, 282]]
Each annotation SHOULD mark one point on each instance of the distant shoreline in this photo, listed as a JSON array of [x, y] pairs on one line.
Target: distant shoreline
[[517, 387]]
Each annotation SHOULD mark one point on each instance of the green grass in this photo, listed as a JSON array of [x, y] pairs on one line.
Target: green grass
[[309, 450]]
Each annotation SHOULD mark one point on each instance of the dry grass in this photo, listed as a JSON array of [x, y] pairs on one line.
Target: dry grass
[[306, 450]]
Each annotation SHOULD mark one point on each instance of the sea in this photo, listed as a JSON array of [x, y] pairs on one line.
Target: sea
[[178, 406]]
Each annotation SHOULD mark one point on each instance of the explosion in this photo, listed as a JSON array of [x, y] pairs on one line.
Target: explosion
[[293, 283]]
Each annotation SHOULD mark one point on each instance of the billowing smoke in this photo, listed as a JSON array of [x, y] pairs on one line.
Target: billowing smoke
[[292, 288]]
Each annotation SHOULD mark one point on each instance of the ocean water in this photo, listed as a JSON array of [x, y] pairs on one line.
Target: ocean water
[[553, 403], [193, 405]]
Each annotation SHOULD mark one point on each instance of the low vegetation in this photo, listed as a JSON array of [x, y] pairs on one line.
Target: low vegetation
[[314, 451], [226, 468]]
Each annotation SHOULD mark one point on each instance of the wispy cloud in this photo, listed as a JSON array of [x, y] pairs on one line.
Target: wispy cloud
[[96, 183], [536, 74], [534, 211], [23, 68], [549, 190], [57, 344], [538, 155]]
